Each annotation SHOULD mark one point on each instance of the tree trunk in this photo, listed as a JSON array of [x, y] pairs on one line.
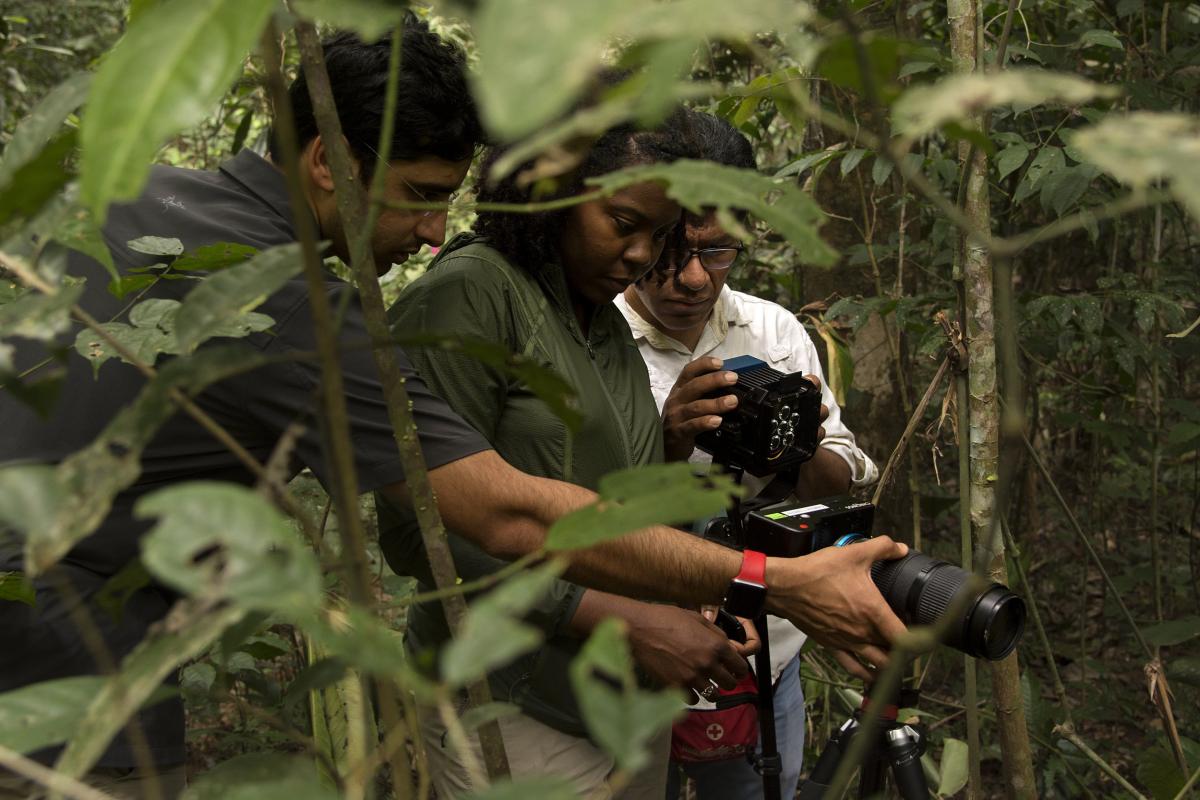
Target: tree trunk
[[984, 407]]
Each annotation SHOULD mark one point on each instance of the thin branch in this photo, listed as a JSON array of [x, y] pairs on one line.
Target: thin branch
[[1068, 731], [909, 429]]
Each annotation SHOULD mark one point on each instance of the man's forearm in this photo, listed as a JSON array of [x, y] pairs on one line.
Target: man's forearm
[[826, 474], [507, 513]]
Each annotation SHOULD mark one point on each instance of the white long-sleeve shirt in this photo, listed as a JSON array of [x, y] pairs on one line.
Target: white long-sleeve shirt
[[741, 324]]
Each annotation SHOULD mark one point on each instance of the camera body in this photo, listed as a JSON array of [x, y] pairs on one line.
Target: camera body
[[775, 424]]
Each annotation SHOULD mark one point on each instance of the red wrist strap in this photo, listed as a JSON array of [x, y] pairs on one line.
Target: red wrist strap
[[754, 567]]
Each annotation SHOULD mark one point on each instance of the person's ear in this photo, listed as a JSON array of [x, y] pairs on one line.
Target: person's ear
[[315, 163]]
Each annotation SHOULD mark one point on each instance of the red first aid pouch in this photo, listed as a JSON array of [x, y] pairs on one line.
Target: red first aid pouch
[[730, 730]]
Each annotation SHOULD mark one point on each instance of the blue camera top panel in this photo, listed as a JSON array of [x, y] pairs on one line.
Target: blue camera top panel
[[742, 363]]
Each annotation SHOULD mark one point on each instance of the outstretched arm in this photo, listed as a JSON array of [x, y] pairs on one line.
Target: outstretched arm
[[828, 594]]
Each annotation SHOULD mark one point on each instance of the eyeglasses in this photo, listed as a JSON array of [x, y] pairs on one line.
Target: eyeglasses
[[713, 259], [421, 196]]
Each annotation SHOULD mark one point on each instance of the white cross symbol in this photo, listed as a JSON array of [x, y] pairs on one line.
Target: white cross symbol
[[714, 731]]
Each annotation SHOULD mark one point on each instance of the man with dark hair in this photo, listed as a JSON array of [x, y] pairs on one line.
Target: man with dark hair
[[505, 511], [685, 320]]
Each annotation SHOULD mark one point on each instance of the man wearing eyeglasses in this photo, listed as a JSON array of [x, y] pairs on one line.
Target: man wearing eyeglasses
[[686, 321]]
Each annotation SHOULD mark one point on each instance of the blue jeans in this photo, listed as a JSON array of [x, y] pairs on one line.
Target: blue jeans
[[735, 779]]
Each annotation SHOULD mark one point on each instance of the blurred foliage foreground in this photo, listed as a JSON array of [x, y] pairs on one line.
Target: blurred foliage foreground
[[1079, 120]]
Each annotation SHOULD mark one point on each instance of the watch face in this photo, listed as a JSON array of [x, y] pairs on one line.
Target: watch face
[[746, 599]]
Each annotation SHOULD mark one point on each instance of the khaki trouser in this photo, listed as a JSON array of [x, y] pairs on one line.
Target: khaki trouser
[[537, 749], [126, 784]]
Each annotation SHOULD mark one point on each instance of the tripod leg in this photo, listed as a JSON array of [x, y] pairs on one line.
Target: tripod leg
[[769, 763], [826, 767]]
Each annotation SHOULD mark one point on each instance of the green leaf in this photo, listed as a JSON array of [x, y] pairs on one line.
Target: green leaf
[[555, 392], [370, 19], [1100, 38], [196, 680], [486, 642], [15, 587], [953, 767], [923, 109], [852, 159], [223, 300], [1184, 670], [697, 185], [542, 787], [154, 331], [261, 776], [492, 636], [1141, 148], [221, 537], [38, 180], [39, 316], [881, 170], [1174, 632], [665, 494], [1010, 159], [1063, 189], [1047, 161], [188, 630], [841, 59], [41, 125], [45, 714], [318, 675], [83, 485], [30, 497], [621, 718], [213, 257], [155, 246], [1158, 772], [145, 91], [530, 74], [64, 221]]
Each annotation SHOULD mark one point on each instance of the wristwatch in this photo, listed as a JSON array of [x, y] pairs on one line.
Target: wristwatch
[[747, 593]]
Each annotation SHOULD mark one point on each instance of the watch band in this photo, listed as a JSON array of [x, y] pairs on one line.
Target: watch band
[[754, 568]]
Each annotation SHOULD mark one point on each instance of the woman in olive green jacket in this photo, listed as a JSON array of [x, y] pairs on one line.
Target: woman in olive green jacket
[[543, 285]]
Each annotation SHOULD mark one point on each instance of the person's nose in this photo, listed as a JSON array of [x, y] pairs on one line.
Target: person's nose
[[431, 229], [641, 254], [693, 276]]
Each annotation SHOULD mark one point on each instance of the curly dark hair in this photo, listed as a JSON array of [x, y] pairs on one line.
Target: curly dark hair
[[531, 240], [436, 115]]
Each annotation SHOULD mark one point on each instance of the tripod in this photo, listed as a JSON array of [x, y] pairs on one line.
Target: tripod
[[730, 531], [895, 744]]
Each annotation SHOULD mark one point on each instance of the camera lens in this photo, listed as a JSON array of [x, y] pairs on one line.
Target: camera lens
[[921, 589]]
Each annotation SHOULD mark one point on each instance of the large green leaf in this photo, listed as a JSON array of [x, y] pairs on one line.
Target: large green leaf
[[1141, 148], [84, 484], [65, 221], [172, 66], [39, 316], [535, 58], [153, 331], [953, 772], [219, 534], [1176, 631], [187, 631], [621, 718], [38, 180], [697, 185], [925, 108], [210, 308], [41, 125], [635, 498], [45, 714], [491, 635], [261, 776]]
